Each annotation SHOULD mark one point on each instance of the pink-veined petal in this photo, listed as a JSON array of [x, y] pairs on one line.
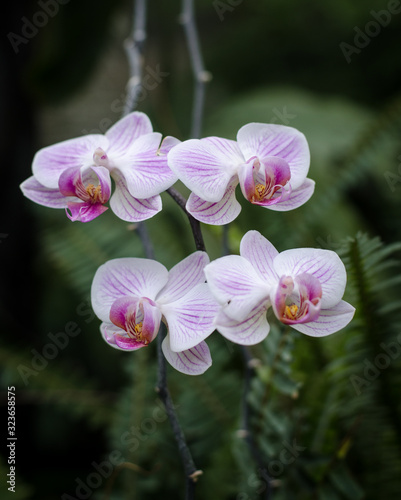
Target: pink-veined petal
[[288, 143], [206, 165], [48, 197], [297, 198], [190, 318], [325, 265], [118, 339], [193, 361], [219, 213], [250, 331], [127, 276], [260, 253], [123, 133], [329, 321], [167, 145], [131, 209], [145, 168], [183, 277], [84, 211], [49, 163], [236, 285]]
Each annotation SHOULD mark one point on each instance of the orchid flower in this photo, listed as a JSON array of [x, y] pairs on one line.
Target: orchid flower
[[75, 174], [133, 295], [303, 286], [270, 163]]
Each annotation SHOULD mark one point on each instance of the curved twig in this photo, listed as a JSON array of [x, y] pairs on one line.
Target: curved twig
[[195, 224], [191, 471], [134, 46], [200, 74]]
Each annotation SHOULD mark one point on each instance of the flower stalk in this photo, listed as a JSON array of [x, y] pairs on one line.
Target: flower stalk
[[191, 472], [200, 74]]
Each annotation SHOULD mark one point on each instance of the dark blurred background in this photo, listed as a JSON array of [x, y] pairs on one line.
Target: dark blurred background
[[331, 69]]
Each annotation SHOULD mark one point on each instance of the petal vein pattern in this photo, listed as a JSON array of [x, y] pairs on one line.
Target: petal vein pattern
[[190, 318], [324, 265], [132, 296], [134, 277], [193, 361], [130, 152], [304, 287], [206, 165], [183, 277], [236, 285]]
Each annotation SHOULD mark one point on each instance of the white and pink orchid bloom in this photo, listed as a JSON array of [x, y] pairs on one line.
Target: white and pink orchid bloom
[[269, 162], [304, 287], [133, 295], [75, 174]]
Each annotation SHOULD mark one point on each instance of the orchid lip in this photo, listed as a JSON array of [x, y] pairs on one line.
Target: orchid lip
[[298, 300], [138, 317], [91, 189], [261, 179]]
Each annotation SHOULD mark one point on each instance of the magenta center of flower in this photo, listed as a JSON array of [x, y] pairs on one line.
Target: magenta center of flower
[[134, 325], [261, 179], [298, 301], [94, 193], [90, 193], [138, 317], [264, 191], [267, 182]]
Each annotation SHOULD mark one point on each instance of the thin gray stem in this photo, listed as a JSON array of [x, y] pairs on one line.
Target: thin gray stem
[[191, 473], [200, 74], [144, 236], [226, 239], [134, 46], [195, 224]]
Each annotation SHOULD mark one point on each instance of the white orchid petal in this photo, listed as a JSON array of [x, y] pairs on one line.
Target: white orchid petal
[[183, 277], [288, 143], [49, 163], [250, 331], [190, 319], [126, 277], [206, 165], [131, 209], [126, 131], [144, 168], [297, 197], [218, 213], [45, 196], [236, 285], [325, 265], [260, 253], [193, 361], [329, 321]]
